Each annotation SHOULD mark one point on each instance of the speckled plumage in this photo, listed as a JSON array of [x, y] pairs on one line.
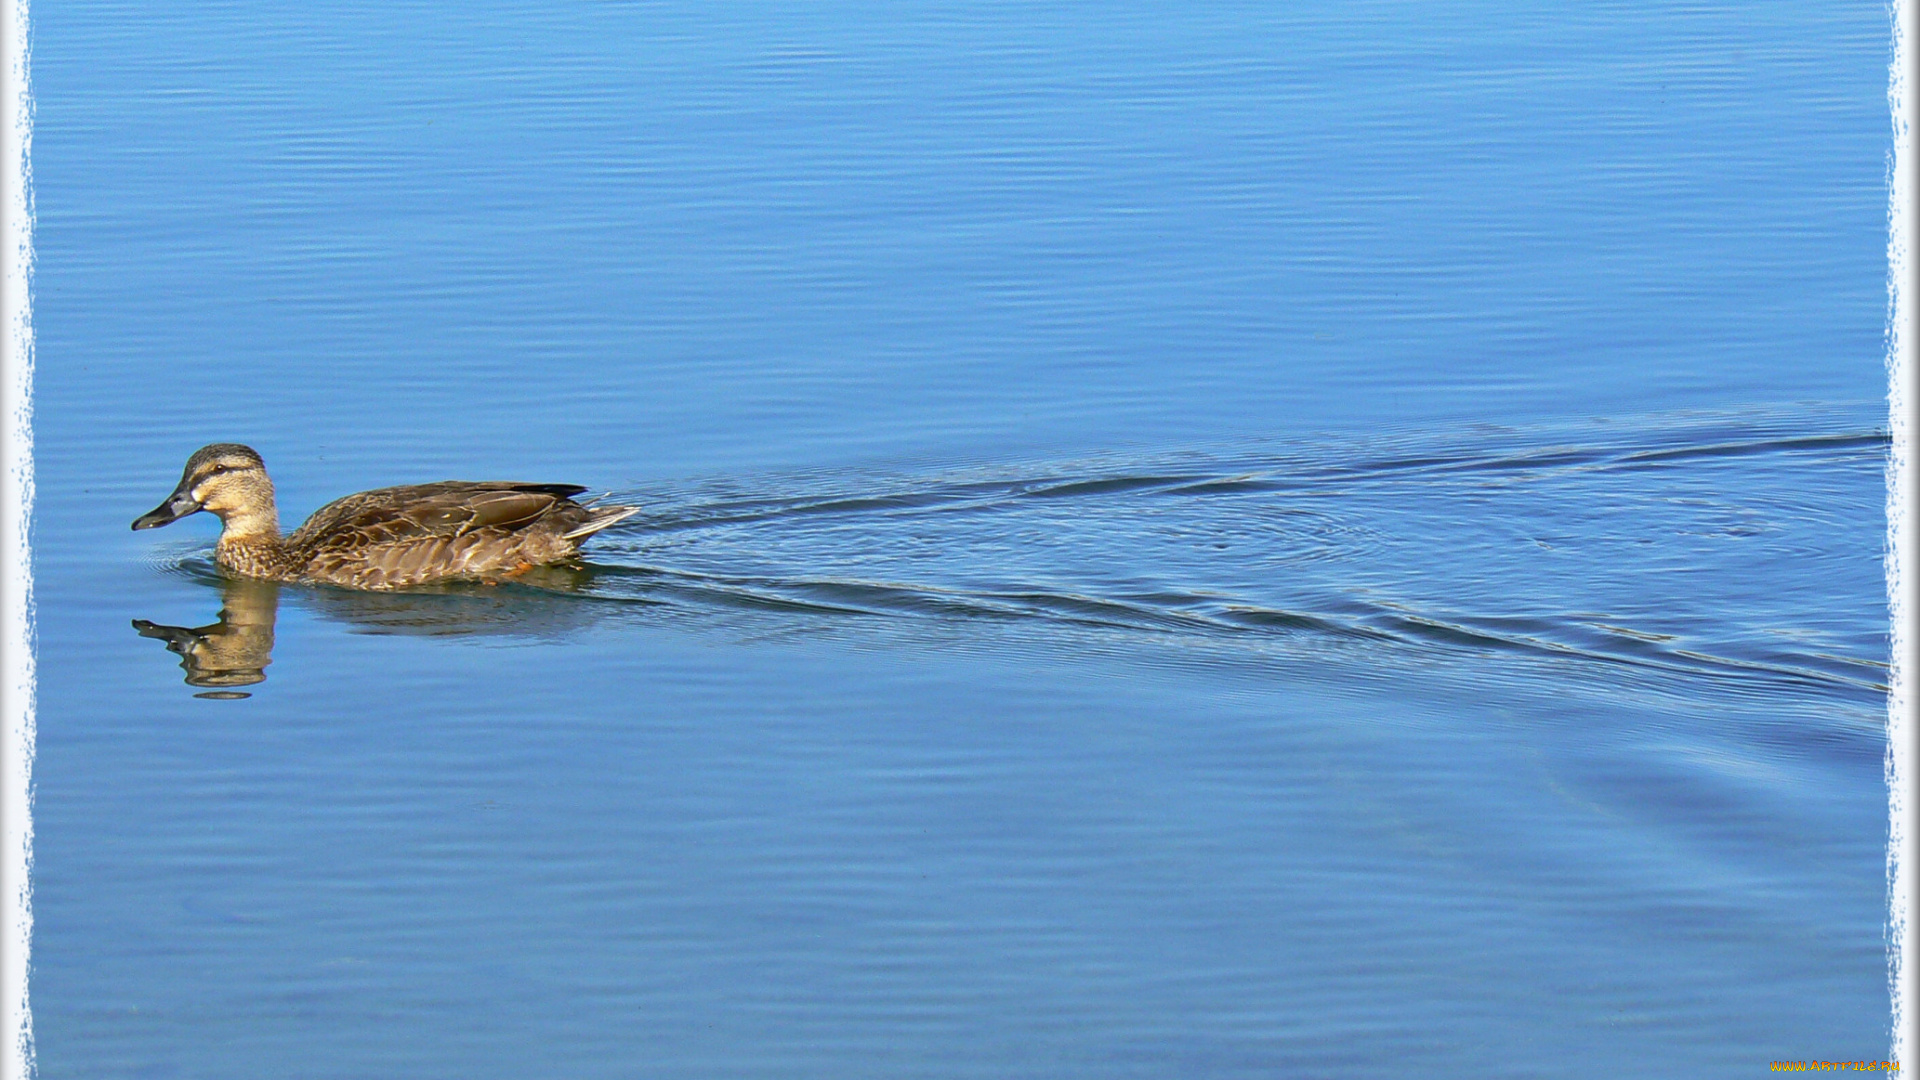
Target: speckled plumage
[[387, 538]]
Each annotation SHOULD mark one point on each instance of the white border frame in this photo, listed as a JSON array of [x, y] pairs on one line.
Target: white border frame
[[17, 715], [1903, 565], [16, 503]]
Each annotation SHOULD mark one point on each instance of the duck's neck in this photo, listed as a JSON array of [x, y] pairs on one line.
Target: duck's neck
[[250, 540]]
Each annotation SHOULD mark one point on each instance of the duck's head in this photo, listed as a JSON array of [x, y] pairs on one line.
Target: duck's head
[[226, 479]]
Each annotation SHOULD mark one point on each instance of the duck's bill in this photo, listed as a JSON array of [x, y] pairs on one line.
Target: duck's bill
[[178, 505]]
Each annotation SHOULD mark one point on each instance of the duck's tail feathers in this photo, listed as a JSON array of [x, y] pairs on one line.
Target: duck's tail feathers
[[603, 516]]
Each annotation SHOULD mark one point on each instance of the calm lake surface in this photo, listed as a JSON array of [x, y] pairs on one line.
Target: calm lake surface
[[1178, 541]]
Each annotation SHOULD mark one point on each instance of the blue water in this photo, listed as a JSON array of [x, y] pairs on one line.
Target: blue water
[[1326, 539]]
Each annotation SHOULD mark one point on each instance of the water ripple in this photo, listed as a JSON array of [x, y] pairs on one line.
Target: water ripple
[[1706, 551]]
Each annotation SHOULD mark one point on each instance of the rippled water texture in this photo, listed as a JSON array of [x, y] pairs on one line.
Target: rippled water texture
[[1230, 542]]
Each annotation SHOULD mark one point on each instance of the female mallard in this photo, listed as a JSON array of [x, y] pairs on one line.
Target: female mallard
[[386, 538]]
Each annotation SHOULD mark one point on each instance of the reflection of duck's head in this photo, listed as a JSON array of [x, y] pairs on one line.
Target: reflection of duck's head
[[228, 480], [232, 652]]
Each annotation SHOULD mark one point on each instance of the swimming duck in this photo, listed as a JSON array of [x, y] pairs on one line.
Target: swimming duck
[[387, 538]]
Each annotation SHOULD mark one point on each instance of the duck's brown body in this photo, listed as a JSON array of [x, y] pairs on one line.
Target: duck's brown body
[[387, 538]]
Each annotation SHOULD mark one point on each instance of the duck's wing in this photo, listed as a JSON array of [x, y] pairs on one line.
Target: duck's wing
[[409, 535], [446, 510]]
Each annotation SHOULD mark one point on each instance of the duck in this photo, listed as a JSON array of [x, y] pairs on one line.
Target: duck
[[387, 538]]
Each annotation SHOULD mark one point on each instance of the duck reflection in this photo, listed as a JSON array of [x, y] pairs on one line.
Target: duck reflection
[[234, 651]]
